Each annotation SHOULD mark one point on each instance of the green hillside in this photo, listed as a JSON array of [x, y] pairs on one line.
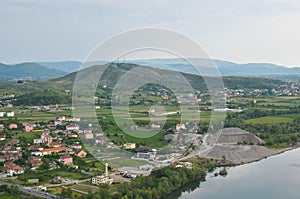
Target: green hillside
[[58, 90], [28, 71]]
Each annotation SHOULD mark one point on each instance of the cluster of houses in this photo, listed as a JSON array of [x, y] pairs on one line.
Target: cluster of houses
[[11, 152], [287, 89], [6, 101], [50, 141]]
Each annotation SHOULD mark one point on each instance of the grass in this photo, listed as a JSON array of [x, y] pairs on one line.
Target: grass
[[268, 120], [44, 177], [292, 116], [86, 188], [8, 196], [55, 190], [126, 161], [27, 135]]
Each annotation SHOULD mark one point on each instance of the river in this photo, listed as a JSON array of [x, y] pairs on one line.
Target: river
[[277, 177]]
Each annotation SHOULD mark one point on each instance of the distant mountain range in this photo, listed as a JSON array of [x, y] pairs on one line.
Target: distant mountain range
[[28, 71], [49, 70], [225, 68]]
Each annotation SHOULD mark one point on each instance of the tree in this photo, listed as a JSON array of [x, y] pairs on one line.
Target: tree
[[66, 194]]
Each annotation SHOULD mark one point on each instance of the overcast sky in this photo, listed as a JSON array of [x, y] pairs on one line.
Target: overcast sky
[[234, 30]]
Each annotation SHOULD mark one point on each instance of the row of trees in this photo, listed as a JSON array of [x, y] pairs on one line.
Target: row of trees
[[275, 134]]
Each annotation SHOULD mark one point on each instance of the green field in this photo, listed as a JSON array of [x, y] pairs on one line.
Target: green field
[[8, 196], [44, 177], [273, 119], [268, 120]]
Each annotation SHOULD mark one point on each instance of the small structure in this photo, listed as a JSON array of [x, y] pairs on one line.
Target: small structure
[[129, 146], [29, 127], [81, 153], [35, 162], [75, 119], [132, 172], [133, 128], [72, 135], [49, 151], [42, 188], [11, 169], [73, 127], [102, 179], [99, 140], [180, 127], [155, 126], [146, 153], [60, 118], [33, 181], [55, 144], [10, 114], [66, 159], [13, 126], [88, 134], [76, 146]]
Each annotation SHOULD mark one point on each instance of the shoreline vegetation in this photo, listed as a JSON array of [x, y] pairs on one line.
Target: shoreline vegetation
[[162, 182]]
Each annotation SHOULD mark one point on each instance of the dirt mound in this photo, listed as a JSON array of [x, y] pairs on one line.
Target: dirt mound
[[239, 153], [236, 135]]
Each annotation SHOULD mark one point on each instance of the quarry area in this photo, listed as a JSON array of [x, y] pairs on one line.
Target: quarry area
[[234, 144]]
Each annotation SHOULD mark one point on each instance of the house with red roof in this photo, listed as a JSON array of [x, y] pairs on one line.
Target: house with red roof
[[29, 127], [13, 126], [73, 127], [81, 153], [35, 162], [66, 159], [12, 169], [54, 150]]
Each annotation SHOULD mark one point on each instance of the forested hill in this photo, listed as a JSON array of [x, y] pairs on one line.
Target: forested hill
[[59, 90], [28, 71]]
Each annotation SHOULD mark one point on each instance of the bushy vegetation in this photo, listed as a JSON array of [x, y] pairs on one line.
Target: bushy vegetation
[[162, 183], [45, 97], [277, 135]]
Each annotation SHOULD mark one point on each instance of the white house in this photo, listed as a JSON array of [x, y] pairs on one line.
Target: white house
[[11, 169], [180, 126], [89, 135], [73, 127], [10, 114], [155, 126], [2, 114], [37, 153]]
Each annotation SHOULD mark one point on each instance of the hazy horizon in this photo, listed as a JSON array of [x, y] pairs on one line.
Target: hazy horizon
[[53, 61], [246, 31]]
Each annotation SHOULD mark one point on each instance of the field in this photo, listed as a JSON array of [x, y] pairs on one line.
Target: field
[[8, 196], [44, 177], [269, 120], [269, 104]]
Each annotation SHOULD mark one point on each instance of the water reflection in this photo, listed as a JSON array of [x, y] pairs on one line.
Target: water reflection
[[275, 177]]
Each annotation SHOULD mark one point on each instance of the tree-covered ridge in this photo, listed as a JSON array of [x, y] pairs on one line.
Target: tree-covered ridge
[[28, 71], [43, 92]]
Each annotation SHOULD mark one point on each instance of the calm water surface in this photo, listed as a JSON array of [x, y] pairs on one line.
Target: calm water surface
[[276, 177]]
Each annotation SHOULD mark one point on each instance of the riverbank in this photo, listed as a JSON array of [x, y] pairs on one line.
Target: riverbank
[[275, 177]]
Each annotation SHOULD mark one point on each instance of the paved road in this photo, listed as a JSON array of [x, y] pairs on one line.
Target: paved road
[[32, 192]]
